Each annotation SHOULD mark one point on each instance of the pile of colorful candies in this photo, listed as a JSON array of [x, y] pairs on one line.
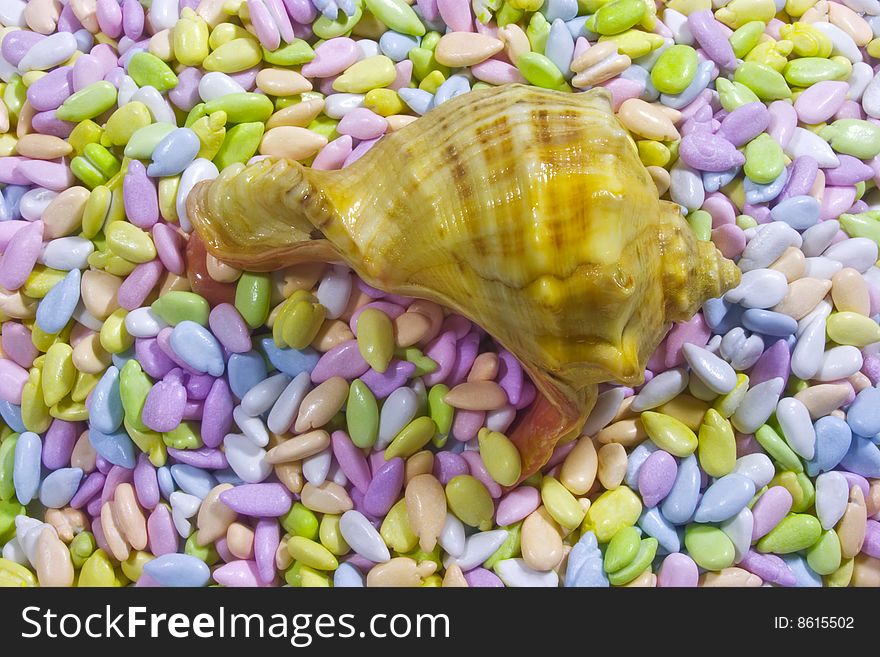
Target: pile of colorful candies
[[169, 420]]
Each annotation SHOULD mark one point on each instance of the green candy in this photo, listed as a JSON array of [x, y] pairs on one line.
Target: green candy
[[734, 94], [796, 532], [864, 224], [148, 70], [424, 364], [15, 95], [375, 338], [197, 112], [81, 548], [295, 53], [470, 502], [124, 122], [411, 438], [252, 294], [8, 510], [717, 445], [324, 126], [824, 555], [854, 137], [622, 549], [500, 456], [616, 16], [538, 31], [134, 386], [184, 436], [540, 71], [206, 553], [709, 547], [244, 107], [300, 521], [701, 223], [7, 463], [424, 63], [144, 140], [102, 159], [508, 14], [362, 415], [87, 172], [509, 549], [746, 37], [177, 306], [441, 412], [766, 83], [240, 144], [430, 40], [764, 159], [669, 433], [807, 71], [642, 560], [88, 103], [397, 15], [325, 28], [776, 447], [674, 69]]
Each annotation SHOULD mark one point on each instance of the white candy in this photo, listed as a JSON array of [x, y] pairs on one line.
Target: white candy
[[757, 467], [860, 253], [34, 201], [144, 323], [199, 170], [181, 524], [661, 389], [817, 238], [28, 530], [163, 14], [604, 411], [700, 390], [823, 309], [516, 574], [871, 98], [12, 13], [252, 427], [127, 89], [501, 419], [806, 358], [286, 407], [839, 363], [262, 396], [477, 549], [864, 6], [715, 372], [185, 504], [216, 85], [768, 244], [739, 531], [740, 351], [678, 25], [334, 290], [338, 105], [317, 466], [821, 267], [832, 494], [757, 405], [759, 288], [14, 552], [362, 537], [156, 103], [858, 81], [804, 142], [686, 186], [451, 537], [368, 48], [66, 253], [397, 411], [842, 43], [84, 317], [797, 427], [337, 476], [247, 459], [347, 577], [48, 53]]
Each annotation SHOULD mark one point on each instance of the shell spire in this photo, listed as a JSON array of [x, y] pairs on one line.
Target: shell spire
[[524, 209]]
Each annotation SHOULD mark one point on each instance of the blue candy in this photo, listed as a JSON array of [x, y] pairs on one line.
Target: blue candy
[[714, 312], [799, 212], [192, 480], [560, 46], [116, 447], [290, 361], [654, 524], [57, 307], [11, 415], [347, 577], [564, 10], [105, 404], [578, 28], [454, 86], [197, 347], [725, 498], [174, 153], [769, 322], [228, 476], [178, 570], [805, 576], [758, 193], [833, 439], [245, 371], [713, 181], [418, 100], [585, 564], [26, 466], [679, 505], [11, 199], [863, 458], [166, 481], [59, 487], [120, 359], [396, 46], [701, 81], [863, 415]]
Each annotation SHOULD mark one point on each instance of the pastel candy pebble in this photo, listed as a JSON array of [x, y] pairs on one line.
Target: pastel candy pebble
[[198, 348], [709, 547], [799, 212], [795, 532], [21, 255], [115, 447], [48, 52], [585, 564], [772, 506], [26, 468], [515, 573], [669, 433], [863, 458], [757, 405], [678, 570], [181, 570], [725, 498], [105, 404], [656, 477], [59, 487], [707, 152], [797, 428], [656, 526]]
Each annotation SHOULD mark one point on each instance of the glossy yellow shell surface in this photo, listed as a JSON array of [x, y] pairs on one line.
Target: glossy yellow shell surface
[[524, 209]]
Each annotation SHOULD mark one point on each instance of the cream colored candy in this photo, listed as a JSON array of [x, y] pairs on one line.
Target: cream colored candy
[[593, 55], [299, 115], [99, 290], [579, 469], [24, 126], [172, 282], [817, 191], [214, 517], [409, 328], [791, 263], [52, 560], [398, 121], [162, 45], [83, 455], [851, 528], [321, 404], [68, 522], [872, 502], [290, 474], [647, 120], [240, 540], [802, 297], [129, 517], [454, 578], [824, 398], [282, 82], [866, 572], [329, 497], [42, 15], [220, 271], [400, 572], [212, 11], [477, 396], [646, 580], [457, 49], [332, 332], [515, 41], [291, 142], [283, 560], [17, 305], [661, 179], [604, 70], [850, 22], [426, 509], [299, 447], [89, 356], [730, 577], [112, 533], [420, 463], [859, 382], [541, 540], [43, 147], [64, 213], [612, 465], [628, 433], [485, 367], [849, 292]]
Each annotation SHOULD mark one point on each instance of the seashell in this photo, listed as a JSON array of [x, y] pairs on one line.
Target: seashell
[[524, 209]]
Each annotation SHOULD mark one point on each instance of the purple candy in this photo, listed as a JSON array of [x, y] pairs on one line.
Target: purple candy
[[206, 458], [343, 360], [87, 70], [466, 424], [801, 176], [89, 487], [117, 475], [161, 532], [769, 567], [482, 578], [58, 442], [850, 172], [198, 386], [516, 505], [139, 283], [230, 329], [467, 350], [745, 123], [871, 545], [267, 537], [712, 39], [193, 410], [384, 383], [385, 487], [772, 363], [51, 90], [46, 123], [510, 376], [139, 195], [16, 44], [217, 413], [151, 357], [707, 152], [448, 465], [442, 350], [146, 483], [656, 477], [258, 500], [769, 510], [163, 408], [186, 94], [351, 461]]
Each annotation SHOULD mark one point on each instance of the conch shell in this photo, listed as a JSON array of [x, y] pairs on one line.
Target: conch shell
[[526, 210]]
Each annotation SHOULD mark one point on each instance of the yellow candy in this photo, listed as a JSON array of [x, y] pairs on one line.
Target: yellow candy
[[168, 198], [190, 38], [806, 40], [34, 411], [149, 442], [311, 578], [83, 386], [562, 506], [331, 537], [653, 153], [365, 75], [310, 553], [130, 242], [8, 142], [124, 122], [849, 328], [234, 56], [874, 48], [114, 336], [669, 434], [687, 7], [211, 131], [717, 445], [771, 53], [797, 8], [226, 32], [15, 575], [69, 411], [740, 12], [432, 82], [97, 571], [396, 531], [384, 102], [635, 43], [41, 280], [727, 404], [134, 565], [612, 511], [58, 373]]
